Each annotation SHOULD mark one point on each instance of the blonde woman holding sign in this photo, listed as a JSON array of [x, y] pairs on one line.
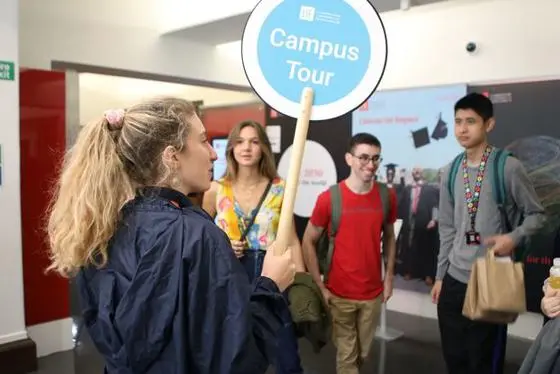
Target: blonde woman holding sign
[[160, 289], [246, 204]]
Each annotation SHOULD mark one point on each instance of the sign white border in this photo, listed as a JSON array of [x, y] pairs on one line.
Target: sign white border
[[346, 104]]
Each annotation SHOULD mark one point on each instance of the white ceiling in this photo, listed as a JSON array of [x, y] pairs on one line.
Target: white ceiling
[[211, 22]]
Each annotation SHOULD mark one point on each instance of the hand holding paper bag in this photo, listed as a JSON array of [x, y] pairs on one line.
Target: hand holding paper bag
[[496, 290]]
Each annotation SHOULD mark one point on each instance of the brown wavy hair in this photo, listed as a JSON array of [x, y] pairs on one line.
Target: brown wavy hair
[[267, 164]]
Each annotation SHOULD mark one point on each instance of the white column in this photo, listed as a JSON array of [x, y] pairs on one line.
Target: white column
[[12, 323]]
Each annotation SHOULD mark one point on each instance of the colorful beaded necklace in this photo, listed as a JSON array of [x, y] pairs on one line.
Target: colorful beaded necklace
[[472, 196]]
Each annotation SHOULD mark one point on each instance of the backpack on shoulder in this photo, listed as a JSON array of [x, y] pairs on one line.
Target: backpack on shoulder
[[325, 244], [499, 190]]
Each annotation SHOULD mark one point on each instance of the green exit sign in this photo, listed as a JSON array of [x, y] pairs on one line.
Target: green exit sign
[[7, 71]]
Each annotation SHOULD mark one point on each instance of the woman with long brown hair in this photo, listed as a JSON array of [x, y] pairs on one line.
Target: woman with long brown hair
[[161, 291], [246, 204]]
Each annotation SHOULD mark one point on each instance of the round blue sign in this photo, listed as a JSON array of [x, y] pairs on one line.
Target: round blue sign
[[336, 47]]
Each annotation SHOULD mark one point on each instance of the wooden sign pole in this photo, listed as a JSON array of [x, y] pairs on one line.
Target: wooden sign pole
[[292, 181]]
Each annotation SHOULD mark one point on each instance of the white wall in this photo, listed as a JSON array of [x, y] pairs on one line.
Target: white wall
[[516, 39], [12, 323], [59, 30], [101, 92]]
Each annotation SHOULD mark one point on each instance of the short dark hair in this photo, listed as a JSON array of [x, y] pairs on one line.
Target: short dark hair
[[479, 103], [363, 138]]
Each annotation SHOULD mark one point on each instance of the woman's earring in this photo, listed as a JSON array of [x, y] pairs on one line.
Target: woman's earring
[[175, 181]]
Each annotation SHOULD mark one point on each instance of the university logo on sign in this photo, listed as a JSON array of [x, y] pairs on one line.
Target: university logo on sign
[[336, 47]]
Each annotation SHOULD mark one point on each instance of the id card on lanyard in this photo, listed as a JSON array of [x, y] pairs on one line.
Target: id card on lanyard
[[472, 195]]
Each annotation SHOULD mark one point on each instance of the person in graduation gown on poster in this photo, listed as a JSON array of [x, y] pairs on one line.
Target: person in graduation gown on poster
[[160, 288], [418, 243]]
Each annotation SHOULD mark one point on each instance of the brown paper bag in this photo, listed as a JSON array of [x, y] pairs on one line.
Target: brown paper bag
[[501, 286], [495, 292]]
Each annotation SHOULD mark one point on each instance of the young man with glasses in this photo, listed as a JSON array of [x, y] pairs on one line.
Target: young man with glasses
[[355, 287]]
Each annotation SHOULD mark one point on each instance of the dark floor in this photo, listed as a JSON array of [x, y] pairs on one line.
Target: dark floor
[[417, 352], [415, 285]]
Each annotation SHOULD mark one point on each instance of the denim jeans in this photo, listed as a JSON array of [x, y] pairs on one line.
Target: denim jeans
[[287, 359]]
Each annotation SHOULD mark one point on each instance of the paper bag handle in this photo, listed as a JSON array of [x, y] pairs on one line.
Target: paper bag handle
[[490, 255]]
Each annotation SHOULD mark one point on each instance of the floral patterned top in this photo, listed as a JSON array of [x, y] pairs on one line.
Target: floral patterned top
[[233, 221]]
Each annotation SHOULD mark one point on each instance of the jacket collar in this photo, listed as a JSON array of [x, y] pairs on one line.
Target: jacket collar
[[175, 197]]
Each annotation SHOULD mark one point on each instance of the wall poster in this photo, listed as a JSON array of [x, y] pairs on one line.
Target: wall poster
[[415, 127]]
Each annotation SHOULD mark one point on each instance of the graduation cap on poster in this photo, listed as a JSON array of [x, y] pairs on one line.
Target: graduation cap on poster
[[421, 137], [391, 167], [441, 130]]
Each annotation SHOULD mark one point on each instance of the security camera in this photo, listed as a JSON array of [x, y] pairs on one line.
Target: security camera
[[471, 47]]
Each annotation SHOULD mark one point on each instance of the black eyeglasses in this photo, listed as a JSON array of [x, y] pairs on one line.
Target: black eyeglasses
[[365, 159]]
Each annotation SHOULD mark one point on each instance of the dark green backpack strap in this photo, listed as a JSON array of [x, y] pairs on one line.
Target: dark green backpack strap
[[336, 212], [454, 169], [499, 189], [336, 208], [499, 182], [499, 186], [385, 202]]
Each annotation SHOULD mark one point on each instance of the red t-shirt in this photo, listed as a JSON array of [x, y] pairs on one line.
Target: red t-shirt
[[356, 264]]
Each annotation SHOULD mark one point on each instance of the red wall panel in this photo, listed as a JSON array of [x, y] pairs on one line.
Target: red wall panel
[[42, 142], [220, 120]]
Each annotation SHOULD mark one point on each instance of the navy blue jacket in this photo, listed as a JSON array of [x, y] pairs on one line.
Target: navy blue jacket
[[173, 299]]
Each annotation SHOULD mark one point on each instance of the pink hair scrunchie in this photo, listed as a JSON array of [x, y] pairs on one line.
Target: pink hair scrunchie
[[115, 118]]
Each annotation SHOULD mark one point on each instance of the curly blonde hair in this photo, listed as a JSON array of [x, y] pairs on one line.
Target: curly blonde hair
[[101, 172]]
